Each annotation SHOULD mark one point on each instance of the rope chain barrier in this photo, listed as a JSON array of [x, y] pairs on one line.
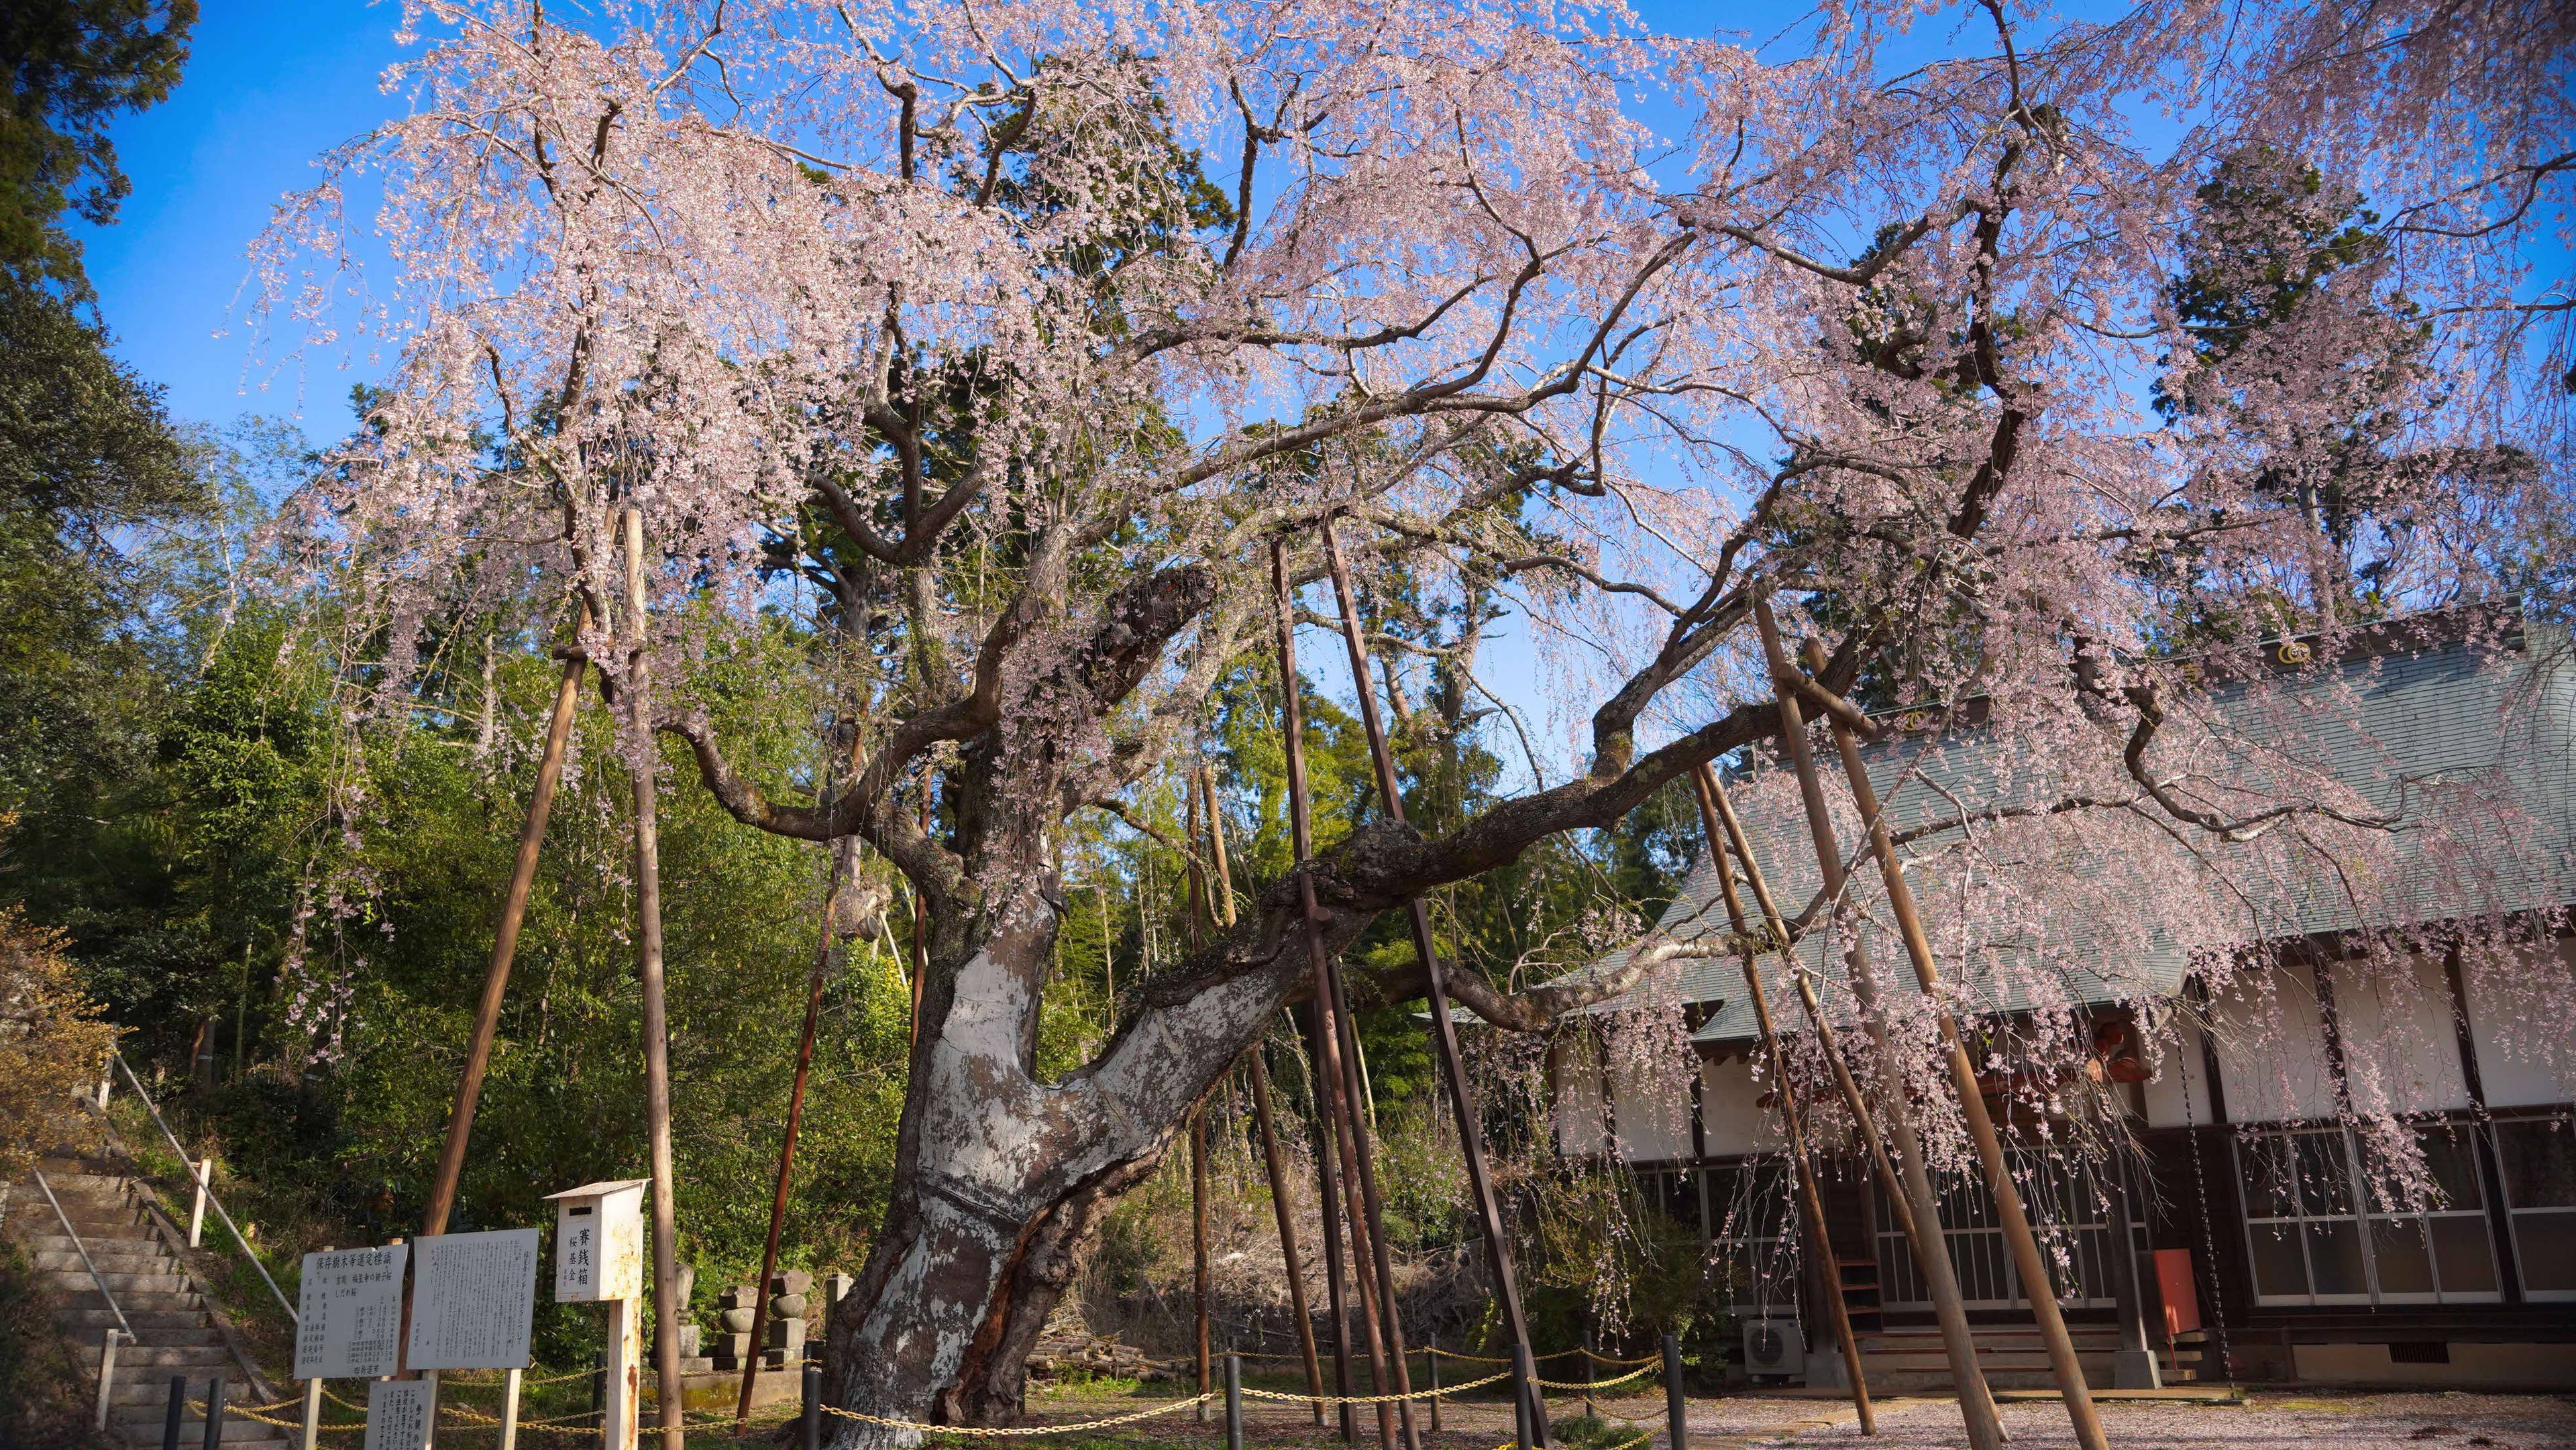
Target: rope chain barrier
[[1441, 1393], [1587, 1384], [983, 1432]]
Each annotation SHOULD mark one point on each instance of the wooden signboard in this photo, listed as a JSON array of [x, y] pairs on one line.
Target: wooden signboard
[[349, 1313], [472, 1298]]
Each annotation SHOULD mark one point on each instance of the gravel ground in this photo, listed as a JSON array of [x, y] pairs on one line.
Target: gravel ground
[[2271, 1421], [2305, 1421]]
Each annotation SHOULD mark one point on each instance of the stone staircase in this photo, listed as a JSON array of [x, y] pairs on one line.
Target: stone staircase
[[2011, 1356], [140, 1254]]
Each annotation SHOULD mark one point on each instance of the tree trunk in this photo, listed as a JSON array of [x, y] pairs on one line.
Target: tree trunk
[[1000, 1178]]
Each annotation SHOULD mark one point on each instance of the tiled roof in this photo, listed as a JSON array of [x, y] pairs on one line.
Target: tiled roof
[[2478, 747]]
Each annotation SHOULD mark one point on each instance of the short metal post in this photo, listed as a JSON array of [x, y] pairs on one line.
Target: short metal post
[[599, 1389], [1524, 1395], [810, 1425], [197, 1214], [1234, 1402], [510, 1409], [106, 1375], [178, 1409], [1431, 1358], [1588, 1373], [312, 1412], [215, 1413], [1676, 1423]]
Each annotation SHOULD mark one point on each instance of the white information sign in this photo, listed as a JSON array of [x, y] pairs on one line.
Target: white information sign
[[399, 1413], [349, 1313], [472, 1296]]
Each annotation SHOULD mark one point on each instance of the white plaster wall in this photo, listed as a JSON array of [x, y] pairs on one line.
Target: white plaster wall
[[2397, 1032], [1731, 1116], [1582, 1128], [2178, 1095], [2272, 1047], [2521, 1064], [1652, 1117]]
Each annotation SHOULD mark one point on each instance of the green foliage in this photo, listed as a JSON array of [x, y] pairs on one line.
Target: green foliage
[[88, 463], [74, 66]]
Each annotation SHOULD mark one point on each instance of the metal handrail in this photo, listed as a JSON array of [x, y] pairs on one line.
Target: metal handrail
[[82, 1249], [206, 1186]]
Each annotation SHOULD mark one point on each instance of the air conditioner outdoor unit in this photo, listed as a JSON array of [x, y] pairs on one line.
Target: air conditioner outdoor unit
[[1774, 1347]]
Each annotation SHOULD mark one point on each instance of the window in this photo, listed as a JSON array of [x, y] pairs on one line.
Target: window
[[1673, 1193], [2442, 1254], [2321, 1229], [1751, 1214], [2538, 1156], [2069, 1215]]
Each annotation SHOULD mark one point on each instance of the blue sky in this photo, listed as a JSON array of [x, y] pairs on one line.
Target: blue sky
[[269, 86], [273, 84]]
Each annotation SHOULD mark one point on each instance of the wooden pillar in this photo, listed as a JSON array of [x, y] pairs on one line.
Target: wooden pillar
[[1811, 1204], [2027, 1257], [648, 970], [1932, 1259], [1444, 1033], [505, 940]]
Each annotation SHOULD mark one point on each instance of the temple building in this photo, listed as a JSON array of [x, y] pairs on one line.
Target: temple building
[[2227, 1218]]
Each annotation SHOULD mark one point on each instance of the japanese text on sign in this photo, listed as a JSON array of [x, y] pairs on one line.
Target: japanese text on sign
[[472, 1299], [399, 1414], [349, 1313]]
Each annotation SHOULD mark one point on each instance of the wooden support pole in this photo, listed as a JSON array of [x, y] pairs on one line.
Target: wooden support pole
[[1940, 1279], [1811, 1203], [1199, 1244], [841, 852], [1676, 1416], [510, 1380], [1339, 1112], [621, 1402], [1390, 1319], [1198, 1118], [2027, 1258], [648, 970], [1343, 1111], [1431, 1380], [505, 940], [1284, 1209], [1426, 948], [1590, 1372], [1827, 1039], [1216, 847], [921, 928], [1329, 1206]]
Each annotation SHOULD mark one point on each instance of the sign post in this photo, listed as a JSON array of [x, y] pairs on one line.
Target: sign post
[[599, 1258]]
